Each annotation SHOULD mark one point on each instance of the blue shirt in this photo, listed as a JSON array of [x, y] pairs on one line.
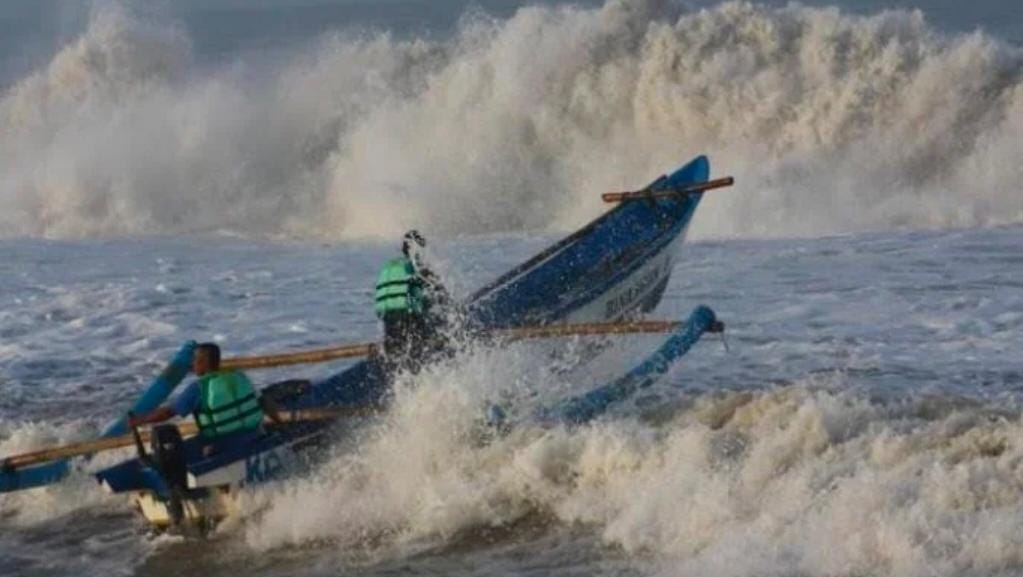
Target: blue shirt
[[187, 401]]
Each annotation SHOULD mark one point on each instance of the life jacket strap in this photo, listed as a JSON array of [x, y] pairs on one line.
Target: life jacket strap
[[232, 405], [213, 426]]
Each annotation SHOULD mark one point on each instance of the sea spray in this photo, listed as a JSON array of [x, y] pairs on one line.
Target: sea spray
[[831, 122], [74, 494], [803, 478], [414, 474], [899, 457]]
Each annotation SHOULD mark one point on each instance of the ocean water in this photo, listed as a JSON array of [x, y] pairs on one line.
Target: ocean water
[[865, 418], [237, 171]]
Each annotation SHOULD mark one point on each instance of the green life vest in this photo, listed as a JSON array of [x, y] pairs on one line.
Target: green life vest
[[399, 288], [227, 404]]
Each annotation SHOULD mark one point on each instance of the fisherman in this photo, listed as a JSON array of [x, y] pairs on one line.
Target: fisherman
[[224, 403], [411, 302]]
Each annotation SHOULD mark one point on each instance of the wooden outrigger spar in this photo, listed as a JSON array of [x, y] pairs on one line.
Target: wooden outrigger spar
[[608, 272]]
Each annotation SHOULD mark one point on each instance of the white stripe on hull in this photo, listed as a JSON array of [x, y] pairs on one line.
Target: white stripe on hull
[[223, 485], [629, 294]]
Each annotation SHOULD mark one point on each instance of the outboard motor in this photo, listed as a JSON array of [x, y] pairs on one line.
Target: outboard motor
[[168, 454]]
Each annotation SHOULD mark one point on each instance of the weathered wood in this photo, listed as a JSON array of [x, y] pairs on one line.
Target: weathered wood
[[667, 193], [328, 354], [187, 428], [301, 357]]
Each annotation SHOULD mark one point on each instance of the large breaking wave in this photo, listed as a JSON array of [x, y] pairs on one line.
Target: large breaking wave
[[796, 480], [831, 122]]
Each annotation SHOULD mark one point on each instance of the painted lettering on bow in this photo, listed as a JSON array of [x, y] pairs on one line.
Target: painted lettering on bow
[[263, 467], [626, 298]]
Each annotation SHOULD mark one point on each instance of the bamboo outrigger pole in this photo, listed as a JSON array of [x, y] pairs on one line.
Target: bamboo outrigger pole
[[301, 357], [187, 429], [669, 192], [369, 349], [329, 354], [506, 334], [321, 355]]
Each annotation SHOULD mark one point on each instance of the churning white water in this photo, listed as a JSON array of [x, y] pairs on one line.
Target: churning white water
[[832, 122], [865, 420]]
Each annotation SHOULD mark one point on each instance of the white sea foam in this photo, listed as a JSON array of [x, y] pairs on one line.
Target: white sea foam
[[894, 452], [831, 122], [802, 479], [77, 492]]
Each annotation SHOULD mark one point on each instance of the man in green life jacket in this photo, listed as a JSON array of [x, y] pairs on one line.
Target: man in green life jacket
[[224, 403], [410, 301]]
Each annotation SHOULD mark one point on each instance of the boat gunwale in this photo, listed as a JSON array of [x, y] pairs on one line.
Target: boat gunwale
[[652, 247]]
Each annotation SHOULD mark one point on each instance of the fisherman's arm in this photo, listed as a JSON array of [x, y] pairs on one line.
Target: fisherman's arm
[[158, 415], [185, 404]]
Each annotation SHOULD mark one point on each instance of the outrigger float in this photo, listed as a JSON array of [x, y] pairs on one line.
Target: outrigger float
[[598, 280]]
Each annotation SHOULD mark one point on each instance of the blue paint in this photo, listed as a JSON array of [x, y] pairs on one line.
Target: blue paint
[[562, 279], [159, 390], [263, 467], [37, 476], [612, 248], [132, 475], [567, 276], [584, 408]]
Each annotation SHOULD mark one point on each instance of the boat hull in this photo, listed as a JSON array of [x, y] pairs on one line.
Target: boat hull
[[197, 513], [615, 267]]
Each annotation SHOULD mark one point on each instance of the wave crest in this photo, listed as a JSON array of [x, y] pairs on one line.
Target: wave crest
[[831, 122]]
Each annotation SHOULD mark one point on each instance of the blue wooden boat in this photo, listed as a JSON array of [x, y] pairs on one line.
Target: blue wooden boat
[[616, 266], [595, 403]]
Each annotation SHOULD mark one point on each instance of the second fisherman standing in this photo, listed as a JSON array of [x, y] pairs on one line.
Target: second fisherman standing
[[411, 303]]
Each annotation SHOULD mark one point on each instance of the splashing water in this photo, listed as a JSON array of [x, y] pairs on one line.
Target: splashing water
[[796, 480], [831, 123], [853, 428], [866, 421]]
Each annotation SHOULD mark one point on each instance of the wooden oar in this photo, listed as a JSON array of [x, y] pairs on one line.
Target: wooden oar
[[667, 193], [517, 333], [187, 428]]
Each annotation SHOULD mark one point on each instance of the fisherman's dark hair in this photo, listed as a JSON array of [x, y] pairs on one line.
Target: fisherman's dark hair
[[411, 237], [212, 351]]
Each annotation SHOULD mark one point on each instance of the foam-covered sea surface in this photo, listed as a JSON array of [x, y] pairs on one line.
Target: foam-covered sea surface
[[237, 171], [865, 418]]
